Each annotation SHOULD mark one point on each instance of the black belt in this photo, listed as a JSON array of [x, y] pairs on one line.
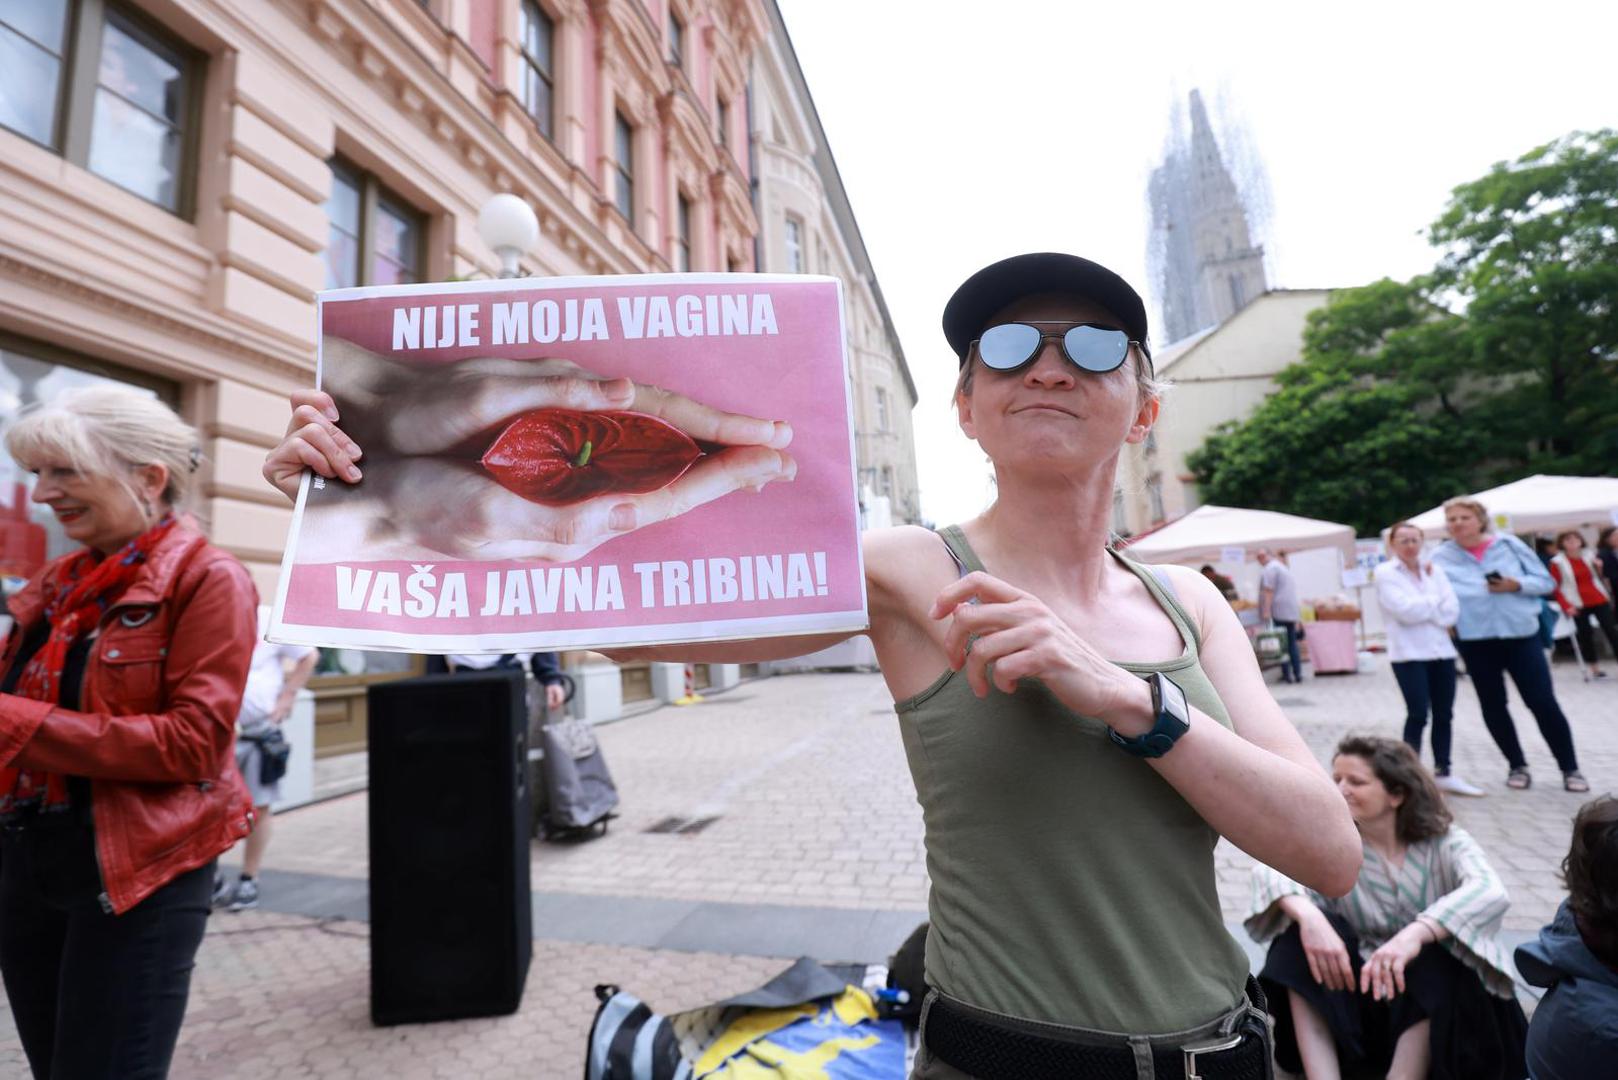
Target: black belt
[[978, 1047]]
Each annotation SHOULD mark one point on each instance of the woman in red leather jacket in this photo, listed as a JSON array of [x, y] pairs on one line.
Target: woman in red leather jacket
[[119, 687]]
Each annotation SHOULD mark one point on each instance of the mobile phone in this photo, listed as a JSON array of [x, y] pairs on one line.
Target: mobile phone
[[1492, 575]]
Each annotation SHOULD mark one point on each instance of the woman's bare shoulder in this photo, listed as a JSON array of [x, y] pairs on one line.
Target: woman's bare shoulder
[[905, 563]]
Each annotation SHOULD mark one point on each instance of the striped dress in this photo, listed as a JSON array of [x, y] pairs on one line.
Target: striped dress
[[1448, 879]]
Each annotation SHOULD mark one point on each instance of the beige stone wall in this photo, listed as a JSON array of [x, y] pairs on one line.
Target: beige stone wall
[[1224, 375]]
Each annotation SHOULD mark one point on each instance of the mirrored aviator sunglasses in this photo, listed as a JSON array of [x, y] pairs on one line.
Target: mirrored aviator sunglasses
[[1096, 349]]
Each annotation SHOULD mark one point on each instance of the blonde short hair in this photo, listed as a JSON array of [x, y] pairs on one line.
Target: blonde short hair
[[1477, 509], [105, 430]]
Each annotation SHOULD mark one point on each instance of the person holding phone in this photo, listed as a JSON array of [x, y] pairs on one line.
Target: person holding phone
[[1500, 584]]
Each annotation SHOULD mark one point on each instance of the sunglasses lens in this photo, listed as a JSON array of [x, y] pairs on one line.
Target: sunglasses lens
[[1095, 348], [1006, 346]]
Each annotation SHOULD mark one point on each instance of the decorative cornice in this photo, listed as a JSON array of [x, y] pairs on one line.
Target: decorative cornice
[[231, 340]]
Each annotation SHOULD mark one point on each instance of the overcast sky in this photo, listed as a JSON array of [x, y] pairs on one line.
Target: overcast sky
[[984, 130]]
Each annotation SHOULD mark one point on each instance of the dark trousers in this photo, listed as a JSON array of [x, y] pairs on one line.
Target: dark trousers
[[93, 995], [1292, 666], [1487, 662], [1585, 620], [1424, 684]]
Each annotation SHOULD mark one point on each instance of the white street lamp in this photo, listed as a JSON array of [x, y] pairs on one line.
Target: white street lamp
[[508, 225]]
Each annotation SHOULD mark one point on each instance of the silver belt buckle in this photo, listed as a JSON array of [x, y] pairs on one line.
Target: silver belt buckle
[[1207, 1046]]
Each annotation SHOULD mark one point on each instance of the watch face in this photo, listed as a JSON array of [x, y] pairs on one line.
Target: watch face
[[1173, 701]]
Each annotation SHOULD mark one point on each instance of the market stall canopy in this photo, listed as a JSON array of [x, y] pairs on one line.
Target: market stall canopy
[[1540, 504], [1207, 532]]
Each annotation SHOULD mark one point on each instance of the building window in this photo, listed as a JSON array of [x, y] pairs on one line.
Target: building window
[[1237, 298], [31, 373], [794, 246], [676, 39], [1154, 497], [623, 160], [375, 238], [722, 122], [682, 238], [882, 410], [538, 65], [887, 481], [107, 90], [1120, 520]]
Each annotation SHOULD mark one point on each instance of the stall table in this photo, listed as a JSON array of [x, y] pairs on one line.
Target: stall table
[[1331, 646]]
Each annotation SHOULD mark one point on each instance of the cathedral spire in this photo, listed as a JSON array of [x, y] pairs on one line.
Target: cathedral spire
[[1205, 266]]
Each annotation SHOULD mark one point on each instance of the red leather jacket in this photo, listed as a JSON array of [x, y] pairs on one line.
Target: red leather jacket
[[162, 687]]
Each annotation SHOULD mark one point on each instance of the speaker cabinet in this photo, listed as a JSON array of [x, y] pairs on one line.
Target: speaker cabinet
[[451, 932]]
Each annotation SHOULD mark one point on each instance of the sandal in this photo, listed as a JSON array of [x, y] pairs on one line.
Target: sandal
[[1575, 782], [1519, 780]]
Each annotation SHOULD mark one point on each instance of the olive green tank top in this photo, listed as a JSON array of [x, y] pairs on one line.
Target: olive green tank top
[[1070, 882]]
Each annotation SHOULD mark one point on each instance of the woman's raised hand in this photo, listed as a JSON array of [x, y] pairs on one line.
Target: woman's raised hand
[[993, 622], [312, 441]]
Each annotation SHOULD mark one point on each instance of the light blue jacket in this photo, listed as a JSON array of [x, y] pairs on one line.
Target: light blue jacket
[[1486, 615]]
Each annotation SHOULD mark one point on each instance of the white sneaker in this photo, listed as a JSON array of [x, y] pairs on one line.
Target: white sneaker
[[1456, 786]]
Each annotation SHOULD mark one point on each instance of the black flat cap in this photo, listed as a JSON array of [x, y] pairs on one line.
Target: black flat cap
[[998, 284]]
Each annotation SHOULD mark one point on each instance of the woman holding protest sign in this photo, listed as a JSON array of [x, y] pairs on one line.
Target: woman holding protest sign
[[121, 683], [1072, 800]]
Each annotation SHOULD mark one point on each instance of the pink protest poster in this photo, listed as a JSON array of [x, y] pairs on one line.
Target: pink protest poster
[[576, 462]]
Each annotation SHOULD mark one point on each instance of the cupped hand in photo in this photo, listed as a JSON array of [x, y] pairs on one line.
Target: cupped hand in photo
[[421, 430], [453, 509]]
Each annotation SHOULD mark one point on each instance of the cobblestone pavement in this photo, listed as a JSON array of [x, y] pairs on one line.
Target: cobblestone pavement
[[805, 779]]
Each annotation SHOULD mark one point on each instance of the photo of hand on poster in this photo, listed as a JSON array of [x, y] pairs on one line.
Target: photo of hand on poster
[[522, 459], [547, 463]]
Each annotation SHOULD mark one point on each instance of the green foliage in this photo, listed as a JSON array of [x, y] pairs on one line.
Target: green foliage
[[1500, 362]]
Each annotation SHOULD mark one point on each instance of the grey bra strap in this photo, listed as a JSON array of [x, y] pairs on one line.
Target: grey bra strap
[[966, 560]]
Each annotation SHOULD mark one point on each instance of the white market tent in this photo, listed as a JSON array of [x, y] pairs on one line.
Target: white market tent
[[1208, 532], [1540, 504]]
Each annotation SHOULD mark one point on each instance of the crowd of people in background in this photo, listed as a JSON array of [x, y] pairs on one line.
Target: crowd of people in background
[[1404, 974]]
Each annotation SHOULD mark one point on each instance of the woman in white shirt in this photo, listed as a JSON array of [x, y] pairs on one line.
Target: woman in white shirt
[[1421, 607]]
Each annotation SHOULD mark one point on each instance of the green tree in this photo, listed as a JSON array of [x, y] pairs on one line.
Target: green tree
[[1500, 362]]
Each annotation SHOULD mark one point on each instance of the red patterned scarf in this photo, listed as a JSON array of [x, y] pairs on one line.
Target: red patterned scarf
[[86, 586]]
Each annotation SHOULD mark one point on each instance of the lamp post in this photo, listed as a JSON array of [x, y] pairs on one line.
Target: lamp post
[[508, 225]]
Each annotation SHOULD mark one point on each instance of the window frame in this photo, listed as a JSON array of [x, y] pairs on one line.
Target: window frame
[[373, 194], [530, 63], [882, 417], [793, 242], [682, 232], [73, 116], [168, 391], [676, 35], [623, 145]]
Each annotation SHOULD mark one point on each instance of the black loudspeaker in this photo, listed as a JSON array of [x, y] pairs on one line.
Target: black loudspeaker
[[451, 923]]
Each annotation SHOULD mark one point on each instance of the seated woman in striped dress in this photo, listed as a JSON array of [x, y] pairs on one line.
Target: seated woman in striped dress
[[1404, 973]]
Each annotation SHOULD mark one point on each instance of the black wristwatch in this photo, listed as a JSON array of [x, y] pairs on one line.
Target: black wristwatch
[[1173, 720]]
